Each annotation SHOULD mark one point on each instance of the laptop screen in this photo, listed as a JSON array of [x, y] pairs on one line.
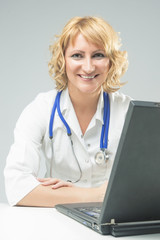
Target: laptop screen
[[133, 192]]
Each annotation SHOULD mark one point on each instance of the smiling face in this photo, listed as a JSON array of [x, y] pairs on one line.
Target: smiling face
[[87, 66]]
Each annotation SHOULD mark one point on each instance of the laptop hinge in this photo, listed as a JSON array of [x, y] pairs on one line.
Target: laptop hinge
[[110, 223], [113, 222]]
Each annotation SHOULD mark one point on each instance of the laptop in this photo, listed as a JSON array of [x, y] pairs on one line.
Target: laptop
[[131, 204]]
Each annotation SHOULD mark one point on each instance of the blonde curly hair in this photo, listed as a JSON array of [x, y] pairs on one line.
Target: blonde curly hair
[[99, 32]]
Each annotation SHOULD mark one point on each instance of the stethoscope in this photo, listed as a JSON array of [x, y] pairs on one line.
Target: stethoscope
[[102, 155]]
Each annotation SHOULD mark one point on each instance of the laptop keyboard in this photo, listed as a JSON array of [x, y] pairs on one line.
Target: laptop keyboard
[[91, 211]]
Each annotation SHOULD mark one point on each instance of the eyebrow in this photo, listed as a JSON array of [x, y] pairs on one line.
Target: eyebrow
[[98, 50]]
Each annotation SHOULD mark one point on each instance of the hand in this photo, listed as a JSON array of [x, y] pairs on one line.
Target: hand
[[54, 182], [102, 191]]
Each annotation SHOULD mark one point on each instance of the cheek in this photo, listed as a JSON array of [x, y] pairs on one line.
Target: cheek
[[71, 67], [106, 66]]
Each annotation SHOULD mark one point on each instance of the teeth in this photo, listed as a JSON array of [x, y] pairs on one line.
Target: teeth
[[87, 77]]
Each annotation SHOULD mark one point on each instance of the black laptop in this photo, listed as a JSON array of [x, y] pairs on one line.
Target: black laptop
[[132, 201]]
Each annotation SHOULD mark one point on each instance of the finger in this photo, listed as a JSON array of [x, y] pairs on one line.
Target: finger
[[58, 185], [62, 184], [51, 181]]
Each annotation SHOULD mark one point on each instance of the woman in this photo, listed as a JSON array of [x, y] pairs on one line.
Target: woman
[[86, 64]]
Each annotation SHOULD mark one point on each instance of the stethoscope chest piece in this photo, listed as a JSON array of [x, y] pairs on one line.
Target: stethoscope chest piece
[[101, 157]]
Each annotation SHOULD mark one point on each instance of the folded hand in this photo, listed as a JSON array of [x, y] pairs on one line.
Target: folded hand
[[54, 182]]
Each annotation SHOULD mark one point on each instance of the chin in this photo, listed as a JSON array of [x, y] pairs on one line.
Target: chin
[[89, 90]]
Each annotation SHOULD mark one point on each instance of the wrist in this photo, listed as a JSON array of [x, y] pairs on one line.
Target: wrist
[[95, 194]]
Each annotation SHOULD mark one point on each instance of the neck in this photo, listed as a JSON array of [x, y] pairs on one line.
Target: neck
[[85, 106], [84, 101]]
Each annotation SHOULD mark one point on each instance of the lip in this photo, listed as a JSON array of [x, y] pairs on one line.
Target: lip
[[87, 77]]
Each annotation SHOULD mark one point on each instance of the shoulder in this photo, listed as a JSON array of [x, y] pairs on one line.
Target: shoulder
[[119, 97], [119, 102], [45, 97], [37, 113], [42, 102]]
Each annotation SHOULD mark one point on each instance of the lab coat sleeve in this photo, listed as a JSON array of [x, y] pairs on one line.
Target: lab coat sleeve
[[23, 161]]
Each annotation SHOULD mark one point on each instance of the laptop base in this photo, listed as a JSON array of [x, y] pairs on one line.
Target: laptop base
[[129, 229], [115, 229]]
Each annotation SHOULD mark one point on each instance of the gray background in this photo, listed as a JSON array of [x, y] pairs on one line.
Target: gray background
[[27, 28]]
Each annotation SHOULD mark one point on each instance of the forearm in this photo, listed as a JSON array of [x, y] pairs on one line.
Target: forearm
[[45, 196]]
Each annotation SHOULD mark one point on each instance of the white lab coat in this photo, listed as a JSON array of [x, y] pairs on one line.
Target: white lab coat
[[31, 136]]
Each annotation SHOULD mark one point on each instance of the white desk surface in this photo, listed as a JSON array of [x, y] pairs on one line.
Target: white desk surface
[[30, 223]]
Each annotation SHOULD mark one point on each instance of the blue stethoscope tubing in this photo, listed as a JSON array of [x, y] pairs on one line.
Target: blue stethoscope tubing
[[102, 155]]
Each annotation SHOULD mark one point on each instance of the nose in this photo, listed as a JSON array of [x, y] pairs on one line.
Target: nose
[[88, 65]]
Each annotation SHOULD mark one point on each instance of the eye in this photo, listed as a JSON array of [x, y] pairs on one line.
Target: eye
[[98, 55], [77, 56]]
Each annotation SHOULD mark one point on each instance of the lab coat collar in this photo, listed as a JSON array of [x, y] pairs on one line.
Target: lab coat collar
[[69, 114], [100, 106], [66, 104]]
